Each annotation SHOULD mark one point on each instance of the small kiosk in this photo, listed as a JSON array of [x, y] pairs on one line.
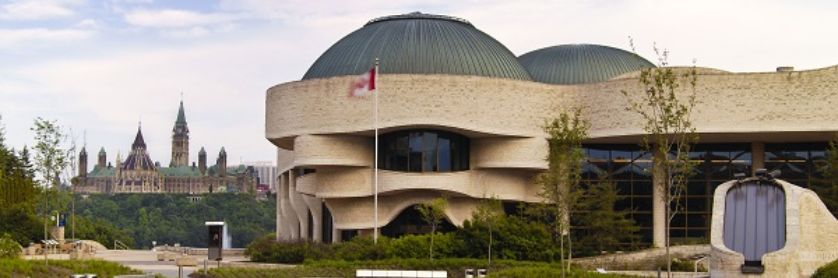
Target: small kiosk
[[217, 234]]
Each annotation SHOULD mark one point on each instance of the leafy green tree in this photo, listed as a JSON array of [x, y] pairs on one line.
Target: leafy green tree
[[605, 229], [9, 249], [50, 160], [489, 211], [433, 212], [827, 187], [669, 133], [560, 183]]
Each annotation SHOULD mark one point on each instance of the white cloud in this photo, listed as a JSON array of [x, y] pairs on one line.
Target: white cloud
[[12, 38], [37, 9], [171, 18], [87, 23]]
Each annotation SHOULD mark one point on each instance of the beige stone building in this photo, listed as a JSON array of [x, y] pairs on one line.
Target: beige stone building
[[460, 116], [139, 174]]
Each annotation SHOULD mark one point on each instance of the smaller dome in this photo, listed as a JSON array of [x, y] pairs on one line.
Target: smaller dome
[[580, 63]]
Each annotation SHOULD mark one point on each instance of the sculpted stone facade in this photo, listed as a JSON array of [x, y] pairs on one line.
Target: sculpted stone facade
[[325, 142]]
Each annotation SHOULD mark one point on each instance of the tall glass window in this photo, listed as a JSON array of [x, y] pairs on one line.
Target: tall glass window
[[714, 164], [629, 167], [797, 161], [423, 151]]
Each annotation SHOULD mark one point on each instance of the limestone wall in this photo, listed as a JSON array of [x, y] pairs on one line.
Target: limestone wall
[[316, 125]]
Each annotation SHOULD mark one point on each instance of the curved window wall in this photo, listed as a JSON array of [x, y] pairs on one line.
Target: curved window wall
[[423, 151]]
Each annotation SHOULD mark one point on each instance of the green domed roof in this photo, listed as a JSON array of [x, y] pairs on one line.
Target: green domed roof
[[421, 44], [580, 63]]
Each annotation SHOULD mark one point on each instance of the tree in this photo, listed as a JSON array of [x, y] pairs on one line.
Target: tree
[[669, 132], [50, 160], [433, 212], [827, 188], [560, 183], [489, 211], [605, 228]]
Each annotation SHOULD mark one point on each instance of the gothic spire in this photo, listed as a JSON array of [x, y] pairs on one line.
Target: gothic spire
[[181, 116], [138, 140]]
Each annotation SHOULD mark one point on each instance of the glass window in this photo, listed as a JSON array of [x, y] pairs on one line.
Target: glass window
[[423, 151]]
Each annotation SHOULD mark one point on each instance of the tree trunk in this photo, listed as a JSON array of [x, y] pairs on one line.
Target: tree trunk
[[569, 251], [561, 251], [431, 251], [490, 244]]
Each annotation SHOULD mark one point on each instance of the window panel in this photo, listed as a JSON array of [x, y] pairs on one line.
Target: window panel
[[423, 151]]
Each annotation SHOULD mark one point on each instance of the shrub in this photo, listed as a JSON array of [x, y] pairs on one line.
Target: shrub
[[9, 247], [829, 270], [61, 268], [447, 245], [514, 238], [362, 248], [267, 249]]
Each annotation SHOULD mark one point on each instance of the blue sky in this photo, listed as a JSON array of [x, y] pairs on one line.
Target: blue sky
[[99, 67]]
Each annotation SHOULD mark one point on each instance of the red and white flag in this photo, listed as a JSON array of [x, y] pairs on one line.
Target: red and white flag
[[365, 83]]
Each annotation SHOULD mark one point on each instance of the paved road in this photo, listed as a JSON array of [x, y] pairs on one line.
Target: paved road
[[146, 260]]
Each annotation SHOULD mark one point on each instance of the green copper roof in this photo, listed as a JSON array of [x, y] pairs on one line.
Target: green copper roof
[[102, 172], [182, 171], [421, 44], [580, 63], [181, 116]]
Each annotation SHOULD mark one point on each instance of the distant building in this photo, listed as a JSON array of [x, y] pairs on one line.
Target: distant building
[[266, 171], [138, 174]]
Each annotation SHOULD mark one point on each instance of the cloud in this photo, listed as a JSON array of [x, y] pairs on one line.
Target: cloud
[[37, 9], [171, 18], [87, 23], [13, 38]]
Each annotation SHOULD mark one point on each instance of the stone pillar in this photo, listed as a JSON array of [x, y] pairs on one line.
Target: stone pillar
[[335, 234], [757, 156], [658, 202], [279, 222]]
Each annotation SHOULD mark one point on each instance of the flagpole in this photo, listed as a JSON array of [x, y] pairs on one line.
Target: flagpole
[[375, 164]]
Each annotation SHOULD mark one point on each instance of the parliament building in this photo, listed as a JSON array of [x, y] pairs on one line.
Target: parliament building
[[461, 116], [137, 173]]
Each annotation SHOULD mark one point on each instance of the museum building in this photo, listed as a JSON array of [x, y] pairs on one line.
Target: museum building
[[461, 116]]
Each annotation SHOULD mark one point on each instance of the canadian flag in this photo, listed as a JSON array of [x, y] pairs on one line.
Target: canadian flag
[[365, 83]]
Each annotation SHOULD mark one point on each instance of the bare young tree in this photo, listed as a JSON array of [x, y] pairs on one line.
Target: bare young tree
[[433, 212], [560, 183], [669, 133]]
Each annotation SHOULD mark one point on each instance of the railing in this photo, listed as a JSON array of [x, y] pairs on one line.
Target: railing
[[119, 245]]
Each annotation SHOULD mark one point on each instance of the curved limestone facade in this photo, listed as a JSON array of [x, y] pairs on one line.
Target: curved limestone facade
[[325, 141]]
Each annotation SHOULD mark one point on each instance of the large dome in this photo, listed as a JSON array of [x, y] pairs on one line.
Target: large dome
[[580, 63], [418, 43]]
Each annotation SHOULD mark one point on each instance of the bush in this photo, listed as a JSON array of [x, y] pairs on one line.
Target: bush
[[829, 270], [9, 248], [447, 245], [362, 248], [267, 249], [545, 271], [514, 238], [61, 268]]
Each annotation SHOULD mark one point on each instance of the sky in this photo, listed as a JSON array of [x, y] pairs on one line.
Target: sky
[[101, 67]]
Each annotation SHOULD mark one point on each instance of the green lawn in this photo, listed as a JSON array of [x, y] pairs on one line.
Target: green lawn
[[61, 268], [454, 267]]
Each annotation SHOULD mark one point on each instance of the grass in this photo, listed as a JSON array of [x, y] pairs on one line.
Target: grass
[[454, 267], [61, 268], [829, 270]]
